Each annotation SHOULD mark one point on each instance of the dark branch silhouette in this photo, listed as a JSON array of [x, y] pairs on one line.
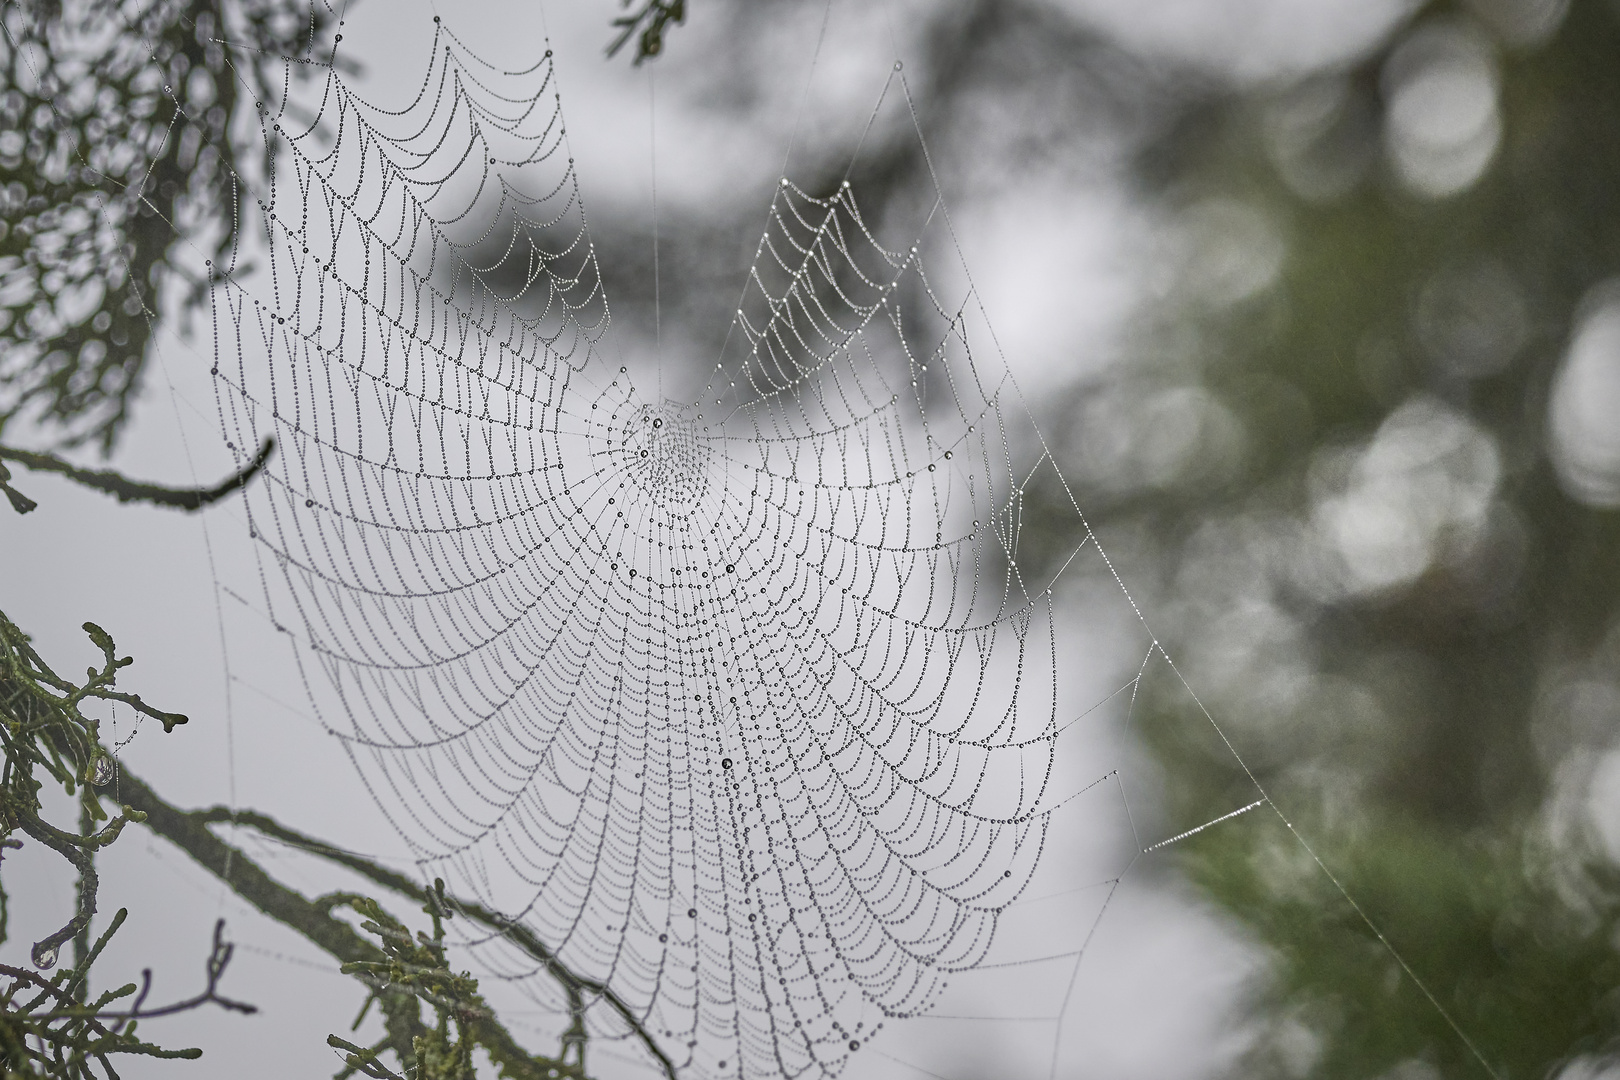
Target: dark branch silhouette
[[123, 488]]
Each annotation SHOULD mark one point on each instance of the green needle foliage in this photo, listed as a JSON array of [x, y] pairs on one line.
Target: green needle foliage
[[48, 1029], [414, 969], [49, 1026], [45, 732]]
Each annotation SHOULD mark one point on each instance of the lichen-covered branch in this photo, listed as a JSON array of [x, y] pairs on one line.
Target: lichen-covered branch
[[401, 971], [578, 987]]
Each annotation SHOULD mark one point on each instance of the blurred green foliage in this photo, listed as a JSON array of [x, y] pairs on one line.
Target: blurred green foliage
[[648, 24], [116, 152], [1394, 598]]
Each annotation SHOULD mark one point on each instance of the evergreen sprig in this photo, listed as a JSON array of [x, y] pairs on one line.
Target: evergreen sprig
[[49, 1026]]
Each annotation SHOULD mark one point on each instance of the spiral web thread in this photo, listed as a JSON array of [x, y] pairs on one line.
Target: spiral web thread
[[748, 705]]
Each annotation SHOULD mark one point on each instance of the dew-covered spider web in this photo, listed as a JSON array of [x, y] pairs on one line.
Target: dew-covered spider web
[[747, 704]]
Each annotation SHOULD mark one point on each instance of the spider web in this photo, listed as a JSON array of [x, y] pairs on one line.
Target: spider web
[[747, 705]]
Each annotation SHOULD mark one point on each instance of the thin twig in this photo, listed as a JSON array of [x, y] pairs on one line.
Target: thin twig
[[218, 959]]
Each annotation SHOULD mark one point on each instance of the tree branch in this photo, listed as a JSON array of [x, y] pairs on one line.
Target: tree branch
[[519, 935], [119, 485], [189, 830], [191, 834]]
